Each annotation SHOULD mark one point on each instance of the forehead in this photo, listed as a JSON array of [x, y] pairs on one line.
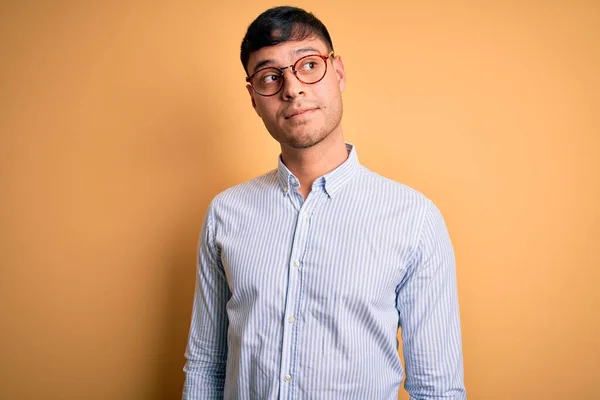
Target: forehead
[[285, 53]]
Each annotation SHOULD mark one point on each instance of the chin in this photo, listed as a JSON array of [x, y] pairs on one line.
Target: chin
[[300, 145], [305, 141]]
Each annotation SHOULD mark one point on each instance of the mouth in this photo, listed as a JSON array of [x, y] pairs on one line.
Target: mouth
[[300, 113]]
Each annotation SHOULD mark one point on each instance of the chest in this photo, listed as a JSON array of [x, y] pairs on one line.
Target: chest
[[353, 255]]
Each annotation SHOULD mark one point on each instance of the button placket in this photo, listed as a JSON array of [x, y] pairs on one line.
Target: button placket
[[294, 297]]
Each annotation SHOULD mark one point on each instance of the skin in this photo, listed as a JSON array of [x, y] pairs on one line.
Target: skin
[[312, 142]]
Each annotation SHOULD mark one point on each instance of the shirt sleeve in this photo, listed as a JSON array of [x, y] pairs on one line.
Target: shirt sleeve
[[206, 350], [427, 302]]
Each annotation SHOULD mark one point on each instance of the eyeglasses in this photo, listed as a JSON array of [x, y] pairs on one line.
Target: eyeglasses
[[309, 69]]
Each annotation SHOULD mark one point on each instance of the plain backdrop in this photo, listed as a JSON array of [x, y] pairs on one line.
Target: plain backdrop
[[120, 121]]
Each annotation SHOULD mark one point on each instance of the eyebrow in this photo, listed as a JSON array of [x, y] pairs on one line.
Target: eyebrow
[[264, 63]]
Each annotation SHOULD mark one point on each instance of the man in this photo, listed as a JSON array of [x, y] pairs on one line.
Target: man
[[305, 273]]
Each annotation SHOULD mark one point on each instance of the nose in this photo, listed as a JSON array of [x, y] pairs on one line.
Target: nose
[[292, 87]]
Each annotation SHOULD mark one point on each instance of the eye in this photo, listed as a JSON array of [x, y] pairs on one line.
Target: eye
[[269, 78], [308, 65]]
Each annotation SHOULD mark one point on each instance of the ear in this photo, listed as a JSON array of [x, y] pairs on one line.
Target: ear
[[252, 94], [338, 66]]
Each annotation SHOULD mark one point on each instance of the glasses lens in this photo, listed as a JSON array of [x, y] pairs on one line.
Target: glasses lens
[[310, 69], [267, 81]]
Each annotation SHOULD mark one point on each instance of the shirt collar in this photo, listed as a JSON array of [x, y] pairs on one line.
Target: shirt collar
[[331, 181]]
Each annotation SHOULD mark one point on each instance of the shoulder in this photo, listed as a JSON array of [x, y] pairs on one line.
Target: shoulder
[[389, 190], [409, 205], [245, 193]]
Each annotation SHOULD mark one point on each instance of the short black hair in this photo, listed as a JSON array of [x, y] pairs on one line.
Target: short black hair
[[281, 24]]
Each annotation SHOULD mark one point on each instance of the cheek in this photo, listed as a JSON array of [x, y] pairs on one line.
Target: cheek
[[266, 111], [261, 108], [264, 108], [330, 92], [330, 97]]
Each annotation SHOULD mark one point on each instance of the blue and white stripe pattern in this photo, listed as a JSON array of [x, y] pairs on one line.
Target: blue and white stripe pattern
[[302, 299]]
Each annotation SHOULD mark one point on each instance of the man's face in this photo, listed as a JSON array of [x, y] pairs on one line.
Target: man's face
[[300, 115]]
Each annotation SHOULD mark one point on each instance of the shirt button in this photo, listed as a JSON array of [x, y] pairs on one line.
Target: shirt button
[[296, 263], [287, 378], [285, 189], [294, 181], [292, 319]]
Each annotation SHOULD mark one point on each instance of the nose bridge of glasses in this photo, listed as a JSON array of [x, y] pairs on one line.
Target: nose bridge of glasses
[[290, 83], [286, 80], [290, 67]]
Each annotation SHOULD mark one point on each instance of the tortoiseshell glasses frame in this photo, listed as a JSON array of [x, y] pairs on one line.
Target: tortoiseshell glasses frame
[[274, 82]]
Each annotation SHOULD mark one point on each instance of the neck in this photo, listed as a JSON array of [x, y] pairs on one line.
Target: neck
[[311, 163]]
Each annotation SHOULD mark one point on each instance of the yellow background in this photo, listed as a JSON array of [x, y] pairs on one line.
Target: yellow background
[[119, 122]]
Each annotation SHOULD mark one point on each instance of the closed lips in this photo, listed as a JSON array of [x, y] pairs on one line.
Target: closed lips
[[299, 112]]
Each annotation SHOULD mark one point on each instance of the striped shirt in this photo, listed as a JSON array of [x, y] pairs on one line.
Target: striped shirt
[[302, 299]]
